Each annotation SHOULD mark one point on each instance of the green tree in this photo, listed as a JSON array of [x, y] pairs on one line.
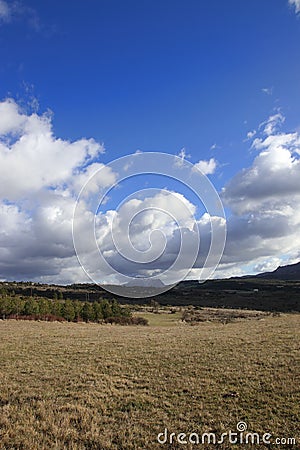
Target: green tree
[[31, 307], [106, 309], [87, 312], [17, 305], [97, 311], [116, 308], [78, 309], [44, 306], [68, 310], [5, 307], [56, 308]]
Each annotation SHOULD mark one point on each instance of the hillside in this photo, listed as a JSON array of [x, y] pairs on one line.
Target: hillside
[[290, 272]]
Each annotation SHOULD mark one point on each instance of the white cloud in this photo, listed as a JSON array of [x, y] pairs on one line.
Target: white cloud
[[31, 157], [99, 175], [263, 228], [273, 124], [158, 234], [273, 178], [37, 242], [206, 167], [265, 202], [41, 176], [296, 4], [267, 265], [152, 241], [182, 155], [251, 134]]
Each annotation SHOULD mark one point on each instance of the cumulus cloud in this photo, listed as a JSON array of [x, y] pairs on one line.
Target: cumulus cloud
[[263, 220], [296, 5], [265, 201], [31, 157], [272, 181], [147, 236], [41, 176], [206, 167]]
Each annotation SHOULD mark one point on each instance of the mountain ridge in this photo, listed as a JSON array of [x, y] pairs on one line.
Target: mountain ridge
[[288, 272]]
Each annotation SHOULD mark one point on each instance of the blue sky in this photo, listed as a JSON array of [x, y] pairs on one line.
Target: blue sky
[[158, 76]]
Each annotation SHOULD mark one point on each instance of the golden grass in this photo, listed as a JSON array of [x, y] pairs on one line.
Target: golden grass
[[161, 319], [89, 386]]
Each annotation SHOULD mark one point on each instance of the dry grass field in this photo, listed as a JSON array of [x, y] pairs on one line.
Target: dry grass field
[[89, 386]]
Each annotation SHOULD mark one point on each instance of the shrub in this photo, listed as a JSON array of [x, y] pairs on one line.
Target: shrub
[[123, 320]]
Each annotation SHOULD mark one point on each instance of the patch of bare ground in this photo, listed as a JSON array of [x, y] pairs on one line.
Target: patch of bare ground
[[196, 315]]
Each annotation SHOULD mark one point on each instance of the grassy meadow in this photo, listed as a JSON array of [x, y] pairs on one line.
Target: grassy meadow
[[90, 386]]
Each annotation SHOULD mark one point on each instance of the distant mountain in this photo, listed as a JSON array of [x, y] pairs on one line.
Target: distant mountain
[[290, 272], [140, 288], [146, 282]]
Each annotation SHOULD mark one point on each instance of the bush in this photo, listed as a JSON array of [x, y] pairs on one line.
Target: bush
[[123, 320]]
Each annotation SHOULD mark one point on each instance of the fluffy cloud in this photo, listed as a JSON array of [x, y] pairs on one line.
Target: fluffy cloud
[[32, 158], [206, 167], [145, 237], [296, 4], [41, 176], [265, 201], [272, 182]]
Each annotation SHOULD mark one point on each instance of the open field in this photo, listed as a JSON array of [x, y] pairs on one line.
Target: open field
[[89, 386]]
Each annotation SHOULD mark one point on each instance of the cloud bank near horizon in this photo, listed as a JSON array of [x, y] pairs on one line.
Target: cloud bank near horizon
[[42, 176]]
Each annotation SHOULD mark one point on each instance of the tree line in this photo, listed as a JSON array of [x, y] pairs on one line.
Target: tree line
[[18, 307]]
